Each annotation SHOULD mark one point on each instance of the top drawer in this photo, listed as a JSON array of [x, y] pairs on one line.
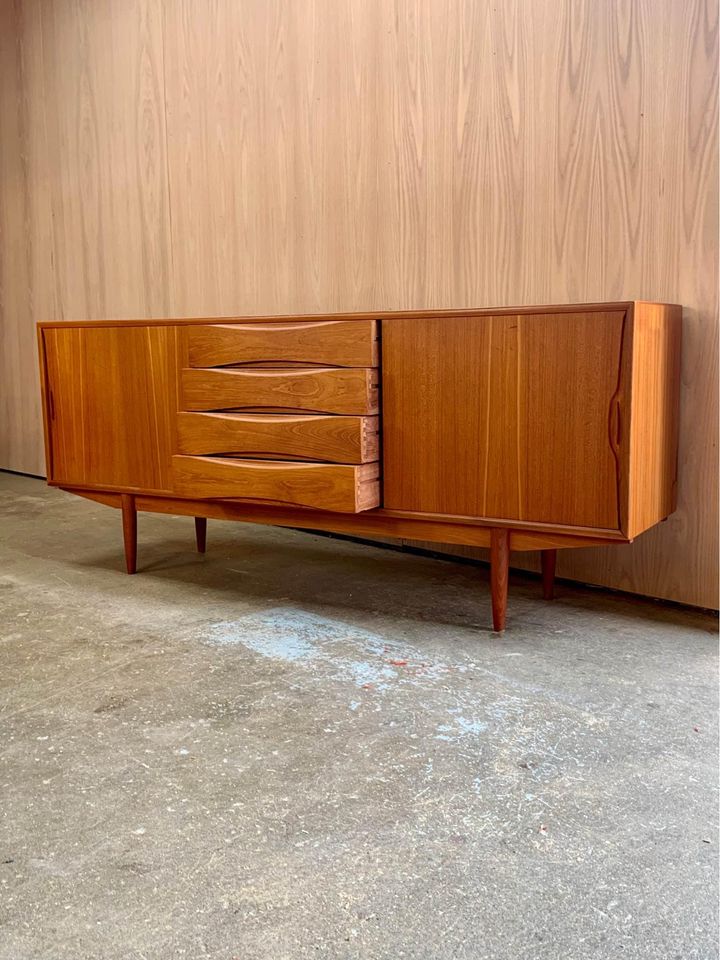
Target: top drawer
[[339, 343]]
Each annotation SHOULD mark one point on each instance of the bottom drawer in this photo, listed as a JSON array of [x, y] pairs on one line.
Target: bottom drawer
[[345, 488]]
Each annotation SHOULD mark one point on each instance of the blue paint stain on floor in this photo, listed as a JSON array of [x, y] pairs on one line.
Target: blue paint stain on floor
[[465, 706], [294, 636], [459, 728], [280, 634]]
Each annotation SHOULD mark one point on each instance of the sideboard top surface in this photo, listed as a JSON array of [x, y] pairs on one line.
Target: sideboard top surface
[[550, 308]]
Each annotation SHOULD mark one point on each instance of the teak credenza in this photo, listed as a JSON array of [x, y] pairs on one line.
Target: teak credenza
[[531, 428]]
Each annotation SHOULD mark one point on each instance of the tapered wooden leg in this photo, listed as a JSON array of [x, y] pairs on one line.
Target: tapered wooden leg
[[548, 558], [499, 572], [129, 522], [201, 533]]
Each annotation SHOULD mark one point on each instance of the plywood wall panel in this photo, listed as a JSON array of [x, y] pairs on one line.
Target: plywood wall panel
[[107, 166], [26, 269], [273, 149], [183, 158]]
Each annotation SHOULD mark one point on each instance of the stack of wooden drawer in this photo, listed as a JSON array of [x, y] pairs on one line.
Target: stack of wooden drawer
[[281, 412]]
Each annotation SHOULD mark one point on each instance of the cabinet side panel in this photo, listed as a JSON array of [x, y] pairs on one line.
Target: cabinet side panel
[[655, 414], [112, 398]]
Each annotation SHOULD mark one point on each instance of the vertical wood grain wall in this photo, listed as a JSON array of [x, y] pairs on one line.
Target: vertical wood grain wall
[[172, 157]]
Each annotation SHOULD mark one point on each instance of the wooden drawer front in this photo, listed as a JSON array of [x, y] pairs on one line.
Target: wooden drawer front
[[283, 412], [336, 439], [339, 343], [341, 487], [321, 390]]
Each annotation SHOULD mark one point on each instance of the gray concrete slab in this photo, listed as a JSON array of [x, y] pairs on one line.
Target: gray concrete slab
[[303, 747]]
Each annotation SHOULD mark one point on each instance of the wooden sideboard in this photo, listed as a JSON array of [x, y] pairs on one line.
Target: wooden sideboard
[[531, 428]]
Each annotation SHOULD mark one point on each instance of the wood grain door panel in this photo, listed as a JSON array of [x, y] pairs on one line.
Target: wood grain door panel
[[337, 439], [341, 343], [504, 417], [337, 487], [112, 397], [321, 390]]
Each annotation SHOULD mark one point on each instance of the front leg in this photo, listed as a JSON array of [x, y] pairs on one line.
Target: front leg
[[129, 522], [499, 574]]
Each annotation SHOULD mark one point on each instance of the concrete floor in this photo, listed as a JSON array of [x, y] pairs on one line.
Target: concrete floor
[[304, 747]]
